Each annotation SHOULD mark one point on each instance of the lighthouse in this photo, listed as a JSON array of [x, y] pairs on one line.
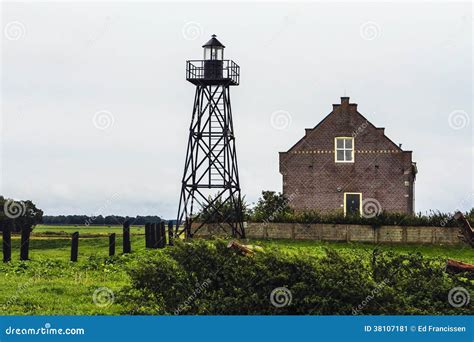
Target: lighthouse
[[210, 188]]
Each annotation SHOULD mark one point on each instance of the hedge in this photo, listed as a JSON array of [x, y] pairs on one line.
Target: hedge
[[207, 278]]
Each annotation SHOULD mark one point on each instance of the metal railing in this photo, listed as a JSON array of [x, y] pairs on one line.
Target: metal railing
[[195, 71]]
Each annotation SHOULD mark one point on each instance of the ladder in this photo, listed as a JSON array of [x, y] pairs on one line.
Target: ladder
[[217, 125]]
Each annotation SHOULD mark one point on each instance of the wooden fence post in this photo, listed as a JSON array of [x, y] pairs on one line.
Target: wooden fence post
[[112, 244], [154, 238], [147, 235], [152, 235], [162, 235], [170, 233], [7, 243], [25, 243], [127, 247], [159, 238], [74, 246]]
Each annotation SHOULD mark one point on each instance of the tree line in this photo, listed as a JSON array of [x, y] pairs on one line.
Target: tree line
[[18, 215], [109, 220]]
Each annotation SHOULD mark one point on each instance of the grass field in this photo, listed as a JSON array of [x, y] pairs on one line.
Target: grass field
[[50, 284]]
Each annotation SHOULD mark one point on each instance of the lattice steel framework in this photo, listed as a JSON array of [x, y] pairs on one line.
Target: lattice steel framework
[[210, 185]]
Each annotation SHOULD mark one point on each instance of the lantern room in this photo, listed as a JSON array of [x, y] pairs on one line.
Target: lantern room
[[213, 69], [213, 49]]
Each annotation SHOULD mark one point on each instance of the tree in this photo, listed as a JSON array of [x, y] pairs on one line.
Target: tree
[[226, 212], [271, 206], [19, 214]]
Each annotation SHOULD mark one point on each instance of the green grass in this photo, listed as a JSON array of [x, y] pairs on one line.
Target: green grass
[[316, 248], [83, 229], [50, 284]]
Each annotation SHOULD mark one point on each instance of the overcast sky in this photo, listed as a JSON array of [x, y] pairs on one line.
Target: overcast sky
[[69, 70]]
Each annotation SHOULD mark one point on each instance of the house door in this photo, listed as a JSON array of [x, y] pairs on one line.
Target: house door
[[352, 203]]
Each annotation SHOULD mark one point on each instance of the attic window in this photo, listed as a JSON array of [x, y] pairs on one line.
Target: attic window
[[344, 149]]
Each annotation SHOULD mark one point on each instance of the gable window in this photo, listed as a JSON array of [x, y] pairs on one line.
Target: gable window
[[344, 149]]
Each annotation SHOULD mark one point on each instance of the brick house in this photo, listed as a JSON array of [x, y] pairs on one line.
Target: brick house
[[346, 163]]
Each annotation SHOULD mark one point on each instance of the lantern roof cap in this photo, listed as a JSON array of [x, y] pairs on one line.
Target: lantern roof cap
[[213, 42]]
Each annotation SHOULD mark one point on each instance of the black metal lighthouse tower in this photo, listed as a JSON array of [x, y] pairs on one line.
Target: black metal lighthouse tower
[[210, 190]]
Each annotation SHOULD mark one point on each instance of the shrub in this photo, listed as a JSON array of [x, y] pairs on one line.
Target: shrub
[[271, 206], [208, 278], [19, 215], [274, 207], [226, 211]]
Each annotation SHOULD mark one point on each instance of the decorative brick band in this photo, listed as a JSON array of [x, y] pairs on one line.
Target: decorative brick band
[[377, 151], [311, 151], [331, 151]]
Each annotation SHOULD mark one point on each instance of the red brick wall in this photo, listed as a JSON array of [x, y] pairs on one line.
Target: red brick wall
[[313, 180]]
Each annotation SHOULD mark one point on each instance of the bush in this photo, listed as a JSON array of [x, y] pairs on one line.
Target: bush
[[208, 278], [436, 219], [19, 215], [271, 206], [226, 211], [274, 207]]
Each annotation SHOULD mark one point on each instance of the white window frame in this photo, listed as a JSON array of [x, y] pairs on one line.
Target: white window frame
[[344, 149]]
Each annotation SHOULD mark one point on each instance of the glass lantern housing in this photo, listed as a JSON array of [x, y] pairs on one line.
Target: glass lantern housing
[[213, 53]]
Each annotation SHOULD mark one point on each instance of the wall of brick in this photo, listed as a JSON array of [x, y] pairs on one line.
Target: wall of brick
[[345, 232], [313, 180]]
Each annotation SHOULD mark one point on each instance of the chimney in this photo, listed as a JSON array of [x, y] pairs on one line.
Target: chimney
[[345, 100]]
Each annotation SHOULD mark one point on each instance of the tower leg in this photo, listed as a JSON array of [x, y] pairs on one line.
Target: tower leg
[[211, 181]]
